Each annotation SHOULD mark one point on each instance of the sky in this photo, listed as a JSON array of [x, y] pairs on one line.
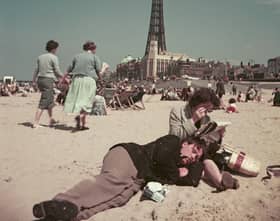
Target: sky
[[225, 30]]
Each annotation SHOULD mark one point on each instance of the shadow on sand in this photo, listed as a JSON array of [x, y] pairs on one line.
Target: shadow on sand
[[57, 126]]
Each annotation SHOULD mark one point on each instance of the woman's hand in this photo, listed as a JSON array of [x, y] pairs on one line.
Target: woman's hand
[[199, 113]]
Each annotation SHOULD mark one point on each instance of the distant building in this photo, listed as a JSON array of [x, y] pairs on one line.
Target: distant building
[[273, 67], [157, 61], [130, 68], [8, 79], [248, 72]]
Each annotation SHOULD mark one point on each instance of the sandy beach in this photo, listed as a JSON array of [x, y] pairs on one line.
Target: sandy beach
[[36, 164]]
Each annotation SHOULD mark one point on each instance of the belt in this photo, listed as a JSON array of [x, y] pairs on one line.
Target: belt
[[271, 171]]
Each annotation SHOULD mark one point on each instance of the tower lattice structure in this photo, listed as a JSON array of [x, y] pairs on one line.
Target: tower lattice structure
[[156, 29]]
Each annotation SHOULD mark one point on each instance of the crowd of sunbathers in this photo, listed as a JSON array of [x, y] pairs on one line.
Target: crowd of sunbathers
[[14, 88]]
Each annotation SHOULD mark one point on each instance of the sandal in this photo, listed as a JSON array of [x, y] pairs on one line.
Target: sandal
[[59, 210]]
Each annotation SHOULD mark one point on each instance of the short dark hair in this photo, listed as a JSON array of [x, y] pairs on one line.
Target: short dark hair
[[232, 100], [89, 45], [204, 95], [51, 45]]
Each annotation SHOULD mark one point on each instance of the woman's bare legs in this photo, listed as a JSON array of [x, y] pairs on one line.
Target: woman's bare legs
[[50, 113], [83, 115], [38, 115], [81, 120]]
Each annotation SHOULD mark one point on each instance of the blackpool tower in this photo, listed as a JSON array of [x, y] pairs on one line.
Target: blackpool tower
[[156, 45], [156, 29]]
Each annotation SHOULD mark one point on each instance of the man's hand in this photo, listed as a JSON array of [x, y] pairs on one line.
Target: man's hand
[[183, 171]]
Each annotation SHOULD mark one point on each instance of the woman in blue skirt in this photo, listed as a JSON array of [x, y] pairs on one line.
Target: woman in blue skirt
[[85, 71]]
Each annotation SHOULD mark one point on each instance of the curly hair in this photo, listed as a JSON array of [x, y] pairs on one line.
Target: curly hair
[[89, 45], [204, 95], [51, 45]]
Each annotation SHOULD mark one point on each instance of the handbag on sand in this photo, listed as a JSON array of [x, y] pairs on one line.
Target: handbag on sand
[[240, 162]]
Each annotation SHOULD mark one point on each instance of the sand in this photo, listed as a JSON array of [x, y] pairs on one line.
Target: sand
[[36, 164]]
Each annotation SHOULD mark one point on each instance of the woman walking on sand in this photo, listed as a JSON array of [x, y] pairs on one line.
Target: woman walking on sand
[[46, 73], [85, 71]]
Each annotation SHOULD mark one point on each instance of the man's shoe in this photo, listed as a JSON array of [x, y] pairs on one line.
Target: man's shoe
[[55, 209]]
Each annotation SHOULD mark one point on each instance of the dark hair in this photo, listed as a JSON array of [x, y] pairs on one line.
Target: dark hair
[[232, 100], [196, 140], [89, 45], [204, 95], [51, 45]]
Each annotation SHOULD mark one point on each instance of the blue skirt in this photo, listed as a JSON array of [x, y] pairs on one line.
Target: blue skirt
[[81, 95]]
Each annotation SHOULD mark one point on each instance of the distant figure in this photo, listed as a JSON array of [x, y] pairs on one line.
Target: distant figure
[[234, 89], [220, 91], [276, 98], [153, 88], [46, 73], [240, 97], [250, 94], [85, 70], [63, 87]]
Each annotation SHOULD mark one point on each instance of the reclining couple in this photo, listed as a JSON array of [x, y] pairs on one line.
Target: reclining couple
[[178, 158]]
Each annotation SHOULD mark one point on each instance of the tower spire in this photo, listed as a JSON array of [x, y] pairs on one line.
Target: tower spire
[[156, 29]]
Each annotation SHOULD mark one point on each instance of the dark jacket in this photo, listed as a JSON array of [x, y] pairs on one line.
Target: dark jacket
[[159, 161]]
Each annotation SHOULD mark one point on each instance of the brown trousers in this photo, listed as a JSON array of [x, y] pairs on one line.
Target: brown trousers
[[113, 187]]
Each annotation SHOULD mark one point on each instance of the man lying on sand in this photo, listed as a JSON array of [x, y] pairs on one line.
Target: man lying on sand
[[127, 167]]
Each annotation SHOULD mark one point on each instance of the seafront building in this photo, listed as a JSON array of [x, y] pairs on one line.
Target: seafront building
[[158, 62], [273, 67]]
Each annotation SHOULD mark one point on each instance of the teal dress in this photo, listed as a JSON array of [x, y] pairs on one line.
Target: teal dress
[[83, 69]]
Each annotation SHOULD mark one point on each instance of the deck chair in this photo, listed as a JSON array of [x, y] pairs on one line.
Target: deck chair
[[125, 99], [111, 98], [138, 97]]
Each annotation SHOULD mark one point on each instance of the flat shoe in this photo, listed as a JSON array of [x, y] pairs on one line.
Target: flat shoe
[[78, 122], [58, 210], [53, 122]]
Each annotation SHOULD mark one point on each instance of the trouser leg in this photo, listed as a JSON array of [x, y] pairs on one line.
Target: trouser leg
[[113, 187]]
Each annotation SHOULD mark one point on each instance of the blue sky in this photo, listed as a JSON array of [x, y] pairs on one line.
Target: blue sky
[[232, 30]]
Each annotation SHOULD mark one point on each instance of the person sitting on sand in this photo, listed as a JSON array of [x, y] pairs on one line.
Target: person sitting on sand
[[126, 168], [232, 108], [250, 94], [184, 121], [240, 97]]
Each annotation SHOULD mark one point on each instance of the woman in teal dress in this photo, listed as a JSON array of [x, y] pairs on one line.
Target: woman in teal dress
[[85, 71]]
